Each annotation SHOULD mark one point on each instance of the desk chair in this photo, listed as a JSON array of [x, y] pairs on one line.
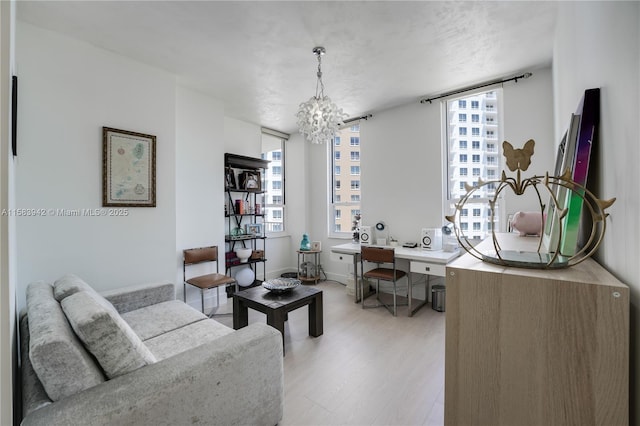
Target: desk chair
[[381, 256], [204, 282]]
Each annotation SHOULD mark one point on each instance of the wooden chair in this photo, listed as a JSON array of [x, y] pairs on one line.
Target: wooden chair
[[204, 282], [381, 256]]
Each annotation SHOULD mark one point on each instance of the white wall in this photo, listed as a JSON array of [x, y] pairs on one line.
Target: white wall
[[199, 190], [402, 165], [598, 45], [68, 91]]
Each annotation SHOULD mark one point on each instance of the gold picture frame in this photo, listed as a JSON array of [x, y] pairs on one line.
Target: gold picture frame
[[128, 168]]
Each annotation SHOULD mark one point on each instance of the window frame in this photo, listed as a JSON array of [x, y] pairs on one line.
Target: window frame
[[350, 157], [268, 184], [449, 112]]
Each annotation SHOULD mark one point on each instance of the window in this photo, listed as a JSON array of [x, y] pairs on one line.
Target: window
[[486, 158], [273, 198], [462, 118], [345, 199]]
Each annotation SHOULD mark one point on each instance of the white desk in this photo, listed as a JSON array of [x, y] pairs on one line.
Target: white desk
[[428, 262]]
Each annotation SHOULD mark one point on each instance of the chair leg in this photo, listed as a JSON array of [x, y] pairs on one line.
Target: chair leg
[[202, 299], [395, 304]]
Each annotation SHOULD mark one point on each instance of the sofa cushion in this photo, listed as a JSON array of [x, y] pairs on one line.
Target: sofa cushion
[[59, 359], [69, 284], [107, 336], [151, 321], [198, 333]]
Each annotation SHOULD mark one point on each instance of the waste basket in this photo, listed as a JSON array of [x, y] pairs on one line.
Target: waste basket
[[438, 298]]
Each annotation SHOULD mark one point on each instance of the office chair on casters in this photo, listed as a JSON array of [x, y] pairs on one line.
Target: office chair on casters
[[204, 282], [381, 256]]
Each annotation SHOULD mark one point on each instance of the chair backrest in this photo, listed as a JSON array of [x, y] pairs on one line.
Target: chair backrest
[[199, 255], [377, 254], [202, 254]]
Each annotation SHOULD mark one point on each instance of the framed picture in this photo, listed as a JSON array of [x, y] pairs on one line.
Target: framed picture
[[229, 178], [128, 168], [250, 180], [253, 229]]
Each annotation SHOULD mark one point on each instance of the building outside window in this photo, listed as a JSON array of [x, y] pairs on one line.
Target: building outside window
[[273, 199], [486, 160], [345, 199]]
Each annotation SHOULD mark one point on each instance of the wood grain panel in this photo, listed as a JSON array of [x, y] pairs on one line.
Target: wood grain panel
[[533, 347]]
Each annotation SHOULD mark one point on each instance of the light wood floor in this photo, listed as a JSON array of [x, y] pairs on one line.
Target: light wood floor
[[368, 368]]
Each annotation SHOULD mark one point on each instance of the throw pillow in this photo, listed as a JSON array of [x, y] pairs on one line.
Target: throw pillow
[[105, 334], [62, 364], [69, 284]]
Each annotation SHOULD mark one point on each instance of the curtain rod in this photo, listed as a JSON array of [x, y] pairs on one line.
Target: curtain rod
[[364, 117], [479, 86]]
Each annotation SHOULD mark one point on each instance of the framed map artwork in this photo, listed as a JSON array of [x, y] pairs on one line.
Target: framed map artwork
[[128, 168]]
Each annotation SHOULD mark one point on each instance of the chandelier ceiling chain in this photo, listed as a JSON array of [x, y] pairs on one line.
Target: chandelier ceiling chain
[[319, 118]]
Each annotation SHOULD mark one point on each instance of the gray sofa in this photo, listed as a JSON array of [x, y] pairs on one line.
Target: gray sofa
[[139, 356]]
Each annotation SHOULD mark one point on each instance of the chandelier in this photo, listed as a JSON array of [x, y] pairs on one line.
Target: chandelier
[[319, 117]]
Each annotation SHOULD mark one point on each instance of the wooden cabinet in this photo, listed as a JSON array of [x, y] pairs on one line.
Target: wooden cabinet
[[535, 347]]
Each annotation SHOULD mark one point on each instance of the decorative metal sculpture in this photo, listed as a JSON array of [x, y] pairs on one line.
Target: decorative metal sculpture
[[518, 160]]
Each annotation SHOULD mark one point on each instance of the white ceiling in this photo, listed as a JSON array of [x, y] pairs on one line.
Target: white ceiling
[[256, 56]]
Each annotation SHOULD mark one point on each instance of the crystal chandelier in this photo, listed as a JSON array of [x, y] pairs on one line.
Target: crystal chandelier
[[319, 117]]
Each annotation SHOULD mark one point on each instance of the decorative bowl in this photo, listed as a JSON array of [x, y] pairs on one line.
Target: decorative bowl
[[243, 254], [281, 285]]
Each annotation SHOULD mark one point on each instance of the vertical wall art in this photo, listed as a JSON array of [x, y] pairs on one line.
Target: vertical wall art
[[128, 168]]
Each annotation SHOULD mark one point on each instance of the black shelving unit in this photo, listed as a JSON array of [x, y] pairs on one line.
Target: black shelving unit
[[241, 217]]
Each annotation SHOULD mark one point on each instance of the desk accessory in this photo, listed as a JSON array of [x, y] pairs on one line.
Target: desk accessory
[[431, 239], [410, 245], [365, 234]]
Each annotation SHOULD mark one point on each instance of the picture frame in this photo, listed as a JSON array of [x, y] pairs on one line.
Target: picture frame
[[128, 168], [229, 178], [253, 229], [251, 181]]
